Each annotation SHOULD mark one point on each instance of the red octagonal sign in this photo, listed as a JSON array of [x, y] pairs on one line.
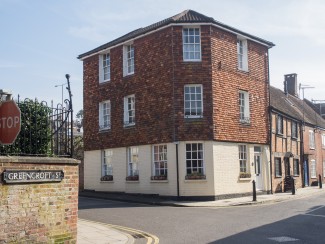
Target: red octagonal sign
[[9, 122]]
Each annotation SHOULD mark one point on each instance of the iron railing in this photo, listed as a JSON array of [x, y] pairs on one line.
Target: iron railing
[[46, 130]]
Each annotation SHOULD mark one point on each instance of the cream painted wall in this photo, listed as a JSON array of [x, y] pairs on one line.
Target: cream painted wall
[[221, 168]]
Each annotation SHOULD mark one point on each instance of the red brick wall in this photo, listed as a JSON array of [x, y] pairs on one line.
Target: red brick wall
[[158, 85], [228, 80], [39, 212]]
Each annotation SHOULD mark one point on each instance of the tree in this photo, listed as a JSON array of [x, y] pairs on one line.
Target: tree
[[35, 134]]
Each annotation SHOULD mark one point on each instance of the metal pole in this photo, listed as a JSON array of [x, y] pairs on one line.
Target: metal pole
[[254, 191], [293, 186], [320, 181]]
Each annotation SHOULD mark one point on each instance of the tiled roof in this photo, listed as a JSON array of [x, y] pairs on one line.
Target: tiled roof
[[294, 107], [187, 16]]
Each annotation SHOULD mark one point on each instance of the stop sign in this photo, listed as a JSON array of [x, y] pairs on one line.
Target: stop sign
[[9, 122]]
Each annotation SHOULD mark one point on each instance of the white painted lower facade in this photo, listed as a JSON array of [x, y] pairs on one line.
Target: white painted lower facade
[[221, 167]]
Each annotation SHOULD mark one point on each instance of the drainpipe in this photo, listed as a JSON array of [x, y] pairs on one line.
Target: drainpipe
[[173, 116], [270, 119], [302, 158]]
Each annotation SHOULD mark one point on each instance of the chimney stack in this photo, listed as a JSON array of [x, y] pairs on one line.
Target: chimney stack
[[290, 84]]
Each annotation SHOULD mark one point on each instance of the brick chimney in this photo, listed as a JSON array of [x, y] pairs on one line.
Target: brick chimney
[[290, 84]]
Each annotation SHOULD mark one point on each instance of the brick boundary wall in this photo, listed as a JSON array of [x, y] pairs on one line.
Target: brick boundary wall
[[39, 212]]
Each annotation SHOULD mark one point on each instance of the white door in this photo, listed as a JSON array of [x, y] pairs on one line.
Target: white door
[[258, 168]]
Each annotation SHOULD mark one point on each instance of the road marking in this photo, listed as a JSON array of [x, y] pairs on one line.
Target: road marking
[[316, 215], [137, 234], [282, 239], [315, 209]]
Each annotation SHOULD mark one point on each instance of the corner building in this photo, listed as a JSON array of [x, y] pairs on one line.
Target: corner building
[[178, 108]]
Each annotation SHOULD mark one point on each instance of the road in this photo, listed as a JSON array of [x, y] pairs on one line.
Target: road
[[295, 221]]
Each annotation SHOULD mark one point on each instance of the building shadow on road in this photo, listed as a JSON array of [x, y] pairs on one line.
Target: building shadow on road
[[308, 227]]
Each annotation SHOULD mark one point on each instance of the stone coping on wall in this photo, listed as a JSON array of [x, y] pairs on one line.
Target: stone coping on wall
[[38, 160]]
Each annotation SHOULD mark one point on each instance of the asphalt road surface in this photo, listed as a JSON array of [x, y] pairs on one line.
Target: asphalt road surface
[[295, 221]]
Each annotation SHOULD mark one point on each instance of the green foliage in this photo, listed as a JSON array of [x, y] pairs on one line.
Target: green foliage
[[35, 134]]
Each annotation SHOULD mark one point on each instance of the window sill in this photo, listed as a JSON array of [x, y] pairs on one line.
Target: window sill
[[193, 117], [192, 60], [104, 82], [106, 181], [278, 176], [129, 125], [244, 179], [128, 75], [132, 181], [196, 181], [104, 130], [245, 71], [158, 181]]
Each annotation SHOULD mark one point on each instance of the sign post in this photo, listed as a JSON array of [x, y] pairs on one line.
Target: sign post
[[10, 122]]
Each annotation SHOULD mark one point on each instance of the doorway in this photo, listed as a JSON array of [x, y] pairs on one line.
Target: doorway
[[258, 168]]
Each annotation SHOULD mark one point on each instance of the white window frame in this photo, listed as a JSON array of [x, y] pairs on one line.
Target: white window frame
[[133, 161], [104, 115], [107, 167], [243, 160], [191, 43], [313, 168], [128, 59], [129, 110], [242, 54], [195, 163], [159, 159], [104, 67], [311, 139], [193, 101], [244, 115]]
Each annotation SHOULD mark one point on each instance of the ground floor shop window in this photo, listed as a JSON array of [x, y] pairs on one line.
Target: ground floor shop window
[[159, 162], [194, 161], [107, 168]]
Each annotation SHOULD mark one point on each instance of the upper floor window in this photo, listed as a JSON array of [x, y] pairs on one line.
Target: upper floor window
[[105, 115], [128, 60], [104, 67], [242, 54], [107, 168], [194, 159], [193, 101], [244, 116], [311, 139], [294, 129], [129, 110], [160, 161], [191, 44], [279, 125], [243, 159]]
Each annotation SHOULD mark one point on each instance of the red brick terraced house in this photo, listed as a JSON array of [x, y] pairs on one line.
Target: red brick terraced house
[[179, 109], [297, 139]]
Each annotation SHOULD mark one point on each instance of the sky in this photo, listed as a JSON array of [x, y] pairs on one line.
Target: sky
[[41, 39]]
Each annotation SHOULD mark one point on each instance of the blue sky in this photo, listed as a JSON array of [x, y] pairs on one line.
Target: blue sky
[[41, 39]]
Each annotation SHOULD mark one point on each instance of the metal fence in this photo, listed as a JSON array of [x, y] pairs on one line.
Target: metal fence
[[46, 129]]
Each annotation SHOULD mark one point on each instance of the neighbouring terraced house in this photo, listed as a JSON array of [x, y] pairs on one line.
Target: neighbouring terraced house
[[298, 138], [178, 108]]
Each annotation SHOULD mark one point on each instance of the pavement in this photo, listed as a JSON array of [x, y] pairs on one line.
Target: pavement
[[99, 233]]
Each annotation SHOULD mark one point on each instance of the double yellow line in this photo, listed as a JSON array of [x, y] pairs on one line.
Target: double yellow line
[[136, 234]]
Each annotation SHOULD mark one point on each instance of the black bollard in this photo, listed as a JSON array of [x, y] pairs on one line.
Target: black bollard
[[293, 186], [254, 191], [320, 181]]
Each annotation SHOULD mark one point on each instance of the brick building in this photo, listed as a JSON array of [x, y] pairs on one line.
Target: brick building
[[298, 138], [178, 108]]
